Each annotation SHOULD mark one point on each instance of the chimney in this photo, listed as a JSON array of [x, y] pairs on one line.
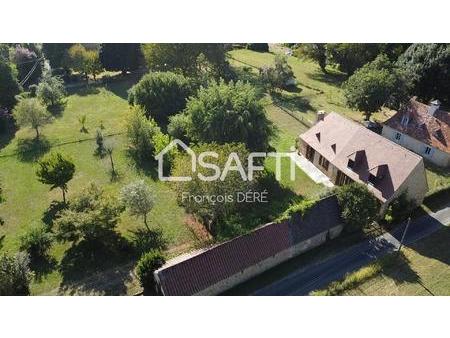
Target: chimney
[[320, 115], [434, 107]]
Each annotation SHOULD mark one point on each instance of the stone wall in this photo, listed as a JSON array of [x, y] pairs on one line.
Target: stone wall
[[271, 262]]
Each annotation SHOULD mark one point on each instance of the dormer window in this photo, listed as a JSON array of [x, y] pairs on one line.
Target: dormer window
[[405, 120], [333, 146], [351, 164], [318, 136], [372, 179]]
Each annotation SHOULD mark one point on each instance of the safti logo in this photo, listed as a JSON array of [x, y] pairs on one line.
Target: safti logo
[[233, 163]]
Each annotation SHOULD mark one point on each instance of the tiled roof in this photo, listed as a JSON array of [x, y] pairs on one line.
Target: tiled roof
[[199, 270], [371, 151], [433, 130]]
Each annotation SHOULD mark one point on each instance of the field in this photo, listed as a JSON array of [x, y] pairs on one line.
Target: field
[[424, 270], [27, 199], [295, 110]]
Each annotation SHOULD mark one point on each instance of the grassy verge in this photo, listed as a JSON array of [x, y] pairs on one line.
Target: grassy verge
[[422, 268]]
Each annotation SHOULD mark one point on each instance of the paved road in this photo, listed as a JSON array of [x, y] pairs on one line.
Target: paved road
[[318, 275]]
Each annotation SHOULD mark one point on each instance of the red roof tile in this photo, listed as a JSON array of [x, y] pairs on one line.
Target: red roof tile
[[433, 130]]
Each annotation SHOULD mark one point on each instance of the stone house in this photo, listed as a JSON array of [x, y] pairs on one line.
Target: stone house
[[424, 129], [213, 270], [347, 152]]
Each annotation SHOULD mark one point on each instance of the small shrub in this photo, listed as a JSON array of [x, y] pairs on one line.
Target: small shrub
[[15, 275], [100, 143], [36, 242], [145, 267], [399, 209]]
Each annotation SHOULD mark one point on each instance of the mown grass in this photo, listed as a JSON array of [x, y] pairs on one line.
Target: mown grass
[[27, 199], [422, 268], [293, 111]]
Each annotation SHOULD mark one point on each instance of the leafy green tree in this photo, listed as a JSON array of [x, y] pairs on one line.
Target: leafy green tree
[[351, 56], [359, 206], [82, 60], [15, 275], [51, 90], [226, 113], [428, 65], [211, 212], [258, 47], [138, 199], [30, 112], [2, 199], [314, 51], [183, 57], [378, 83], [161, 94], [92, 64], [91, 216], [29, 65], [9, 87], [147, 264], [140, 132], [179, 126], [400, 208], [56, 53], [278, 76], [120, 56], [56, 171], [37, 241]]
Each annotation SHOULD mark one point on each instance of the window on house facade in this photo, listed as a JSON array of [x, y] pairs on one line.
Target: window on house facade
[[372, 179], [398, 136], [405, 120], [351, 164], [324, 162], [427, 151]]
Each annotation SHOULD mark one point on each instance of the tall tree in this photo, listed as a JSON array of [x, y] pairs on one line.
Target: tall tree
[[314, 51], [82, 60], [9, 87], [91, 216], [226, 113], [351, 56], [56, 171], [29, 65], [376, 84], [55, 53], [120, 56], [428, 65], [359, 206], [139, 199], [161, 94], [51, 90], [30, 112], [15, 275], [183, 57]]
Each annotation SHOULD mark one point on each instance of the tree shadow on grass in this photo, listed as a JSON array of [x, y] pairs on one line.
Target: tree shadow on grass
[[7, 132], [398, 267], [143, 240], [84, 91], [57, 109], [30, 150], [332, 78], [293, 103], [42, 266], [148, 166], [49, 215], [84, 261]]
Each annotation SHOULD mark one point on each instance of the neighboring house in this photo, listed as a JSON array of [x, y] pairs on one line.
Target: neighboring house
[[214, 270], [346, 151], [424, 129]]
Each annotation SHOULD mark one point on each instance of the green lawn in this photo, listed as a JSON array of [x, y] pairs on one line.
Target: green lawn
[[424, 270], [293, 111], [27, 199]]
